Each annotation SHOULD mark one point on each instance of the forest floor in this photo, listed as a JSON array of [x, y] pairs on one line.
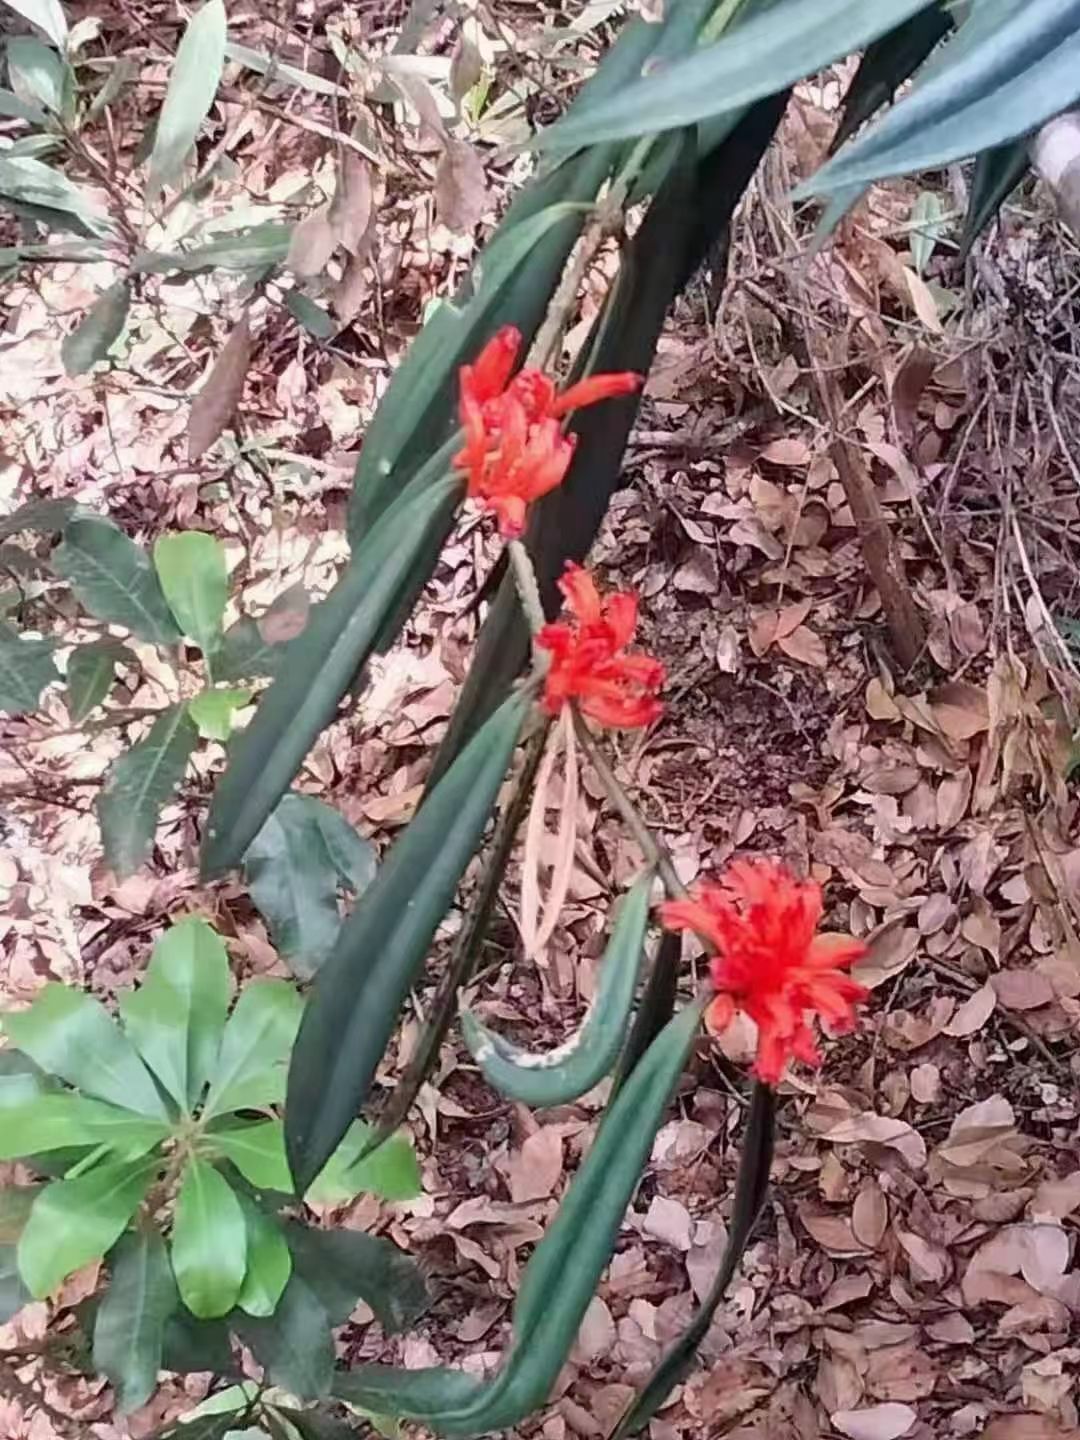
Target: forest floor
[[919, 1248]]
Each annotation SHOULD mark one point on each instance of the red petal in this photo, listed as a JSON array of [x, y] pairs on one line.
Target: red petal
[[579, 589], [495, 364], [595, 388]]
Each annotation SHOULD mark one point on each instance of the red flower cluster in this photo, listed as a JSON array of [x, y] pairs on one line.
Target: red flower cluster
[[587, 659], [769, 963], [515, 450]]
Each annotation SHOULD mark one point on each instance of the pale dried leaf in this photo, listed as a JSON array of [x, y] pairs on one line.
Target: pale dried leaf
[[216, 402], [462, 197], [881, 1130], [870, 1215], [311, 244], [878, 1422], [972, 1014], [353, 205], [806, 646], [1022, 989], [537, 1168]]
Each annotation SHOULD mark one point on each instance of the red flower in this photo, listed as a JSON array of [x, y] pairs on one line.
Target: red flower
[[769, 963], [515, 450], [587, 663]]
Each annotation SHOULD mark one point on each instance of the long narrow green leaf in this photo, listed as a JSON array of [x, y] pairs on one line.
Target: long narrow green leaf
[[758, 57], [561, 1277], [558, 1076], [656, 1008], [129, 1324], [193, 84], [139, 784], [990, 84], [359, 991], [887, 63], [997, 174], [317, 670], [750, 1190]]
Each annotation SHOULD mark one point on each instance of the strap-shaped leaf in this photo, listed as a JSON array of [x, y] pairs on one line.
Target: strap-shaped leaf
[[887, 63], [1009, 67], [750, 1189], [129, 1324], [45, 516], [295, 866], [177, 1015], [561, 1277], [74, 1221], [656, 1008], [209, 1242], [140, 784], [196, 73], [559, 1076], [26, 668], [260, 248], [114, 578], [775, 46], [359, 991], [97, 331], [997, 174], [70, 1034], [317, 670]]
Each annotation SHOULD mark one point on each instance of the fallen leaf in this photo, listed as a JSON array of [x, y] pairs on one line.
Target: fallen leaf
[[806, 646], [922, 300], [791, 452], [832, 1232], [962, 710], [668, 1220], [352, 207], [311, 244], [1056, 1199], [880, 704], [929, 1265], [926, 1084], [537, 1167], [878, 1422], [870, 1215], [462, 197], [286, 616], [972, 1014], [1022, 989], [215, 404], [597, 1333], [881, 1130], [908, 385]]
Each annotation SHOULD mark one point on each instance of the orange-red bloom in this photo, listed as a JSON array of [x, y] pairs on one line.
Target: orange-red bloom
[[587, 659], [769, 963], [515, 450]]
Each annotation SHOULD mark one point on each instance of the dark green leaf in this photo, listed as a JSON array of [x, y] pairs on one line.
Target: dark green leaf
[[13, 1293], [90, 672], [316, 1424], [887, 63], [315, 320], [209, 1242], [244, 654], [47, 14], [193, 1346], [45, 516], [139, 784], [97, 331], [320, 666], [657, 1005], [196, 73], [391, 1171], [22, 178], [559, 1280], [255, 1048], [344, 1266], [63, 1121], [74, 1221], [358, 993], [70, 1034], [213, 711], [26, 668], [1008, 68], [775, 46], [750, 1189], [191, 570], [997, 174], [177, 1015], [562, 1075], [130, 1322], [260, 248], [114, 579], [294, 868], [294, 1345], [269, 1263], [258, 1152]]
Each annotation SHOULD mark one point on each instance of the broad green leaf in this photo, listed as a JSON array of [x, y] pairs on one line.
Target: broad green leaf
[[177, 1015], [97, 331], [320, 665], [391, 1171], [244, 654], [263, 247], [191, 1346], [37, 74], [213, 711], [358, 993], [70, 1034], [269, 1263], [191, 569], [561, 1075], [130, 1321], [47, 14], [1008, 68], [196, 74], [258, 1152], [294, 1344], [560, 1278], [997, 174], [26, 668], [777, 45], [64, 1121], [90, 672], [209, 1242], [250, 1071], [344, 1266], [315, 320], [13, 1293], [12, 108], [294, 868], [139, 785], [114, 579], [74, 1221], [44, 516], [31, 181]]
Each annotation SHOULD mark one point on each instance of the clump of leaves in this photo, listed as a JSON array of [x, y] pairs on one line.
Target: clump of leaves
[[163, 1137]]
